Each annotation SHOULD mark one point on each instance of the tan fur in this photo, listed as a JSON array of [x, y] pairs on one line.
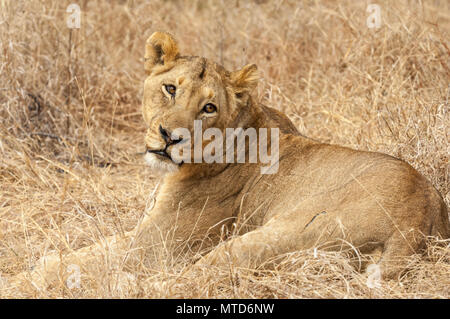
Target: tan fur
[[323, 196]]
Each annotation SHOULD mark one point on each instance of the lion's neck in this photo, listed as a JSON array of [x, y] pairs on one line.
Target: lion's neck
[[251, 115]]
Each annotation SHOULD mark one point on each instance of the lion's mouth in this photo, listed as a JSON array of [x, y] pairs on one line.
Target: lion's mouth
[[169, 141], [163, 153]]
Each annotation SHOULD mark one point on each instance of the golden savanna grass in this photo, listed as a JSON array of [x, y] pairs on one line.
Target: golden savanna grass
[[71, 127]]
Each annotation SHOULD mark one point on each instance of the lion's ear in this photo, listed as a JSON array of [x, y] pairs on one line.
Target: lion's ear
[[160, 48], [245, 79]]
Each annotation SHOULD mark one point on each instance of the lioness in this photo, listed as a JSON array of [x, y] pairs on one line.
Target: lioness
[[322, 196]]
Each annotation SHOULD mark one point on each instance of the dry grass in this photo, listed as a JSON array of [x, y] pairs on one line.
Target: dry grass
[[70, 125]]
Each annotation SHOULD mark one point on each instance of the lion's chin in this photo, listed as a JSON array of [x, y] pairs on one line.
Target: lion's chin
[[159, 164]]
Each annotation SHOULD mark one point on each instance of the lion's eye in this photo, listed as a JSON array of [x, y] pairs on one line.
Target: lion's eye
[[209, 108], [171, 89]]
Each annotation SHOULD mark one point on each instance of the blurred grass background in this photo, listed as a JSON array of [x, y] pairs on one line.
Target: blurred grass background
[[71, 127]]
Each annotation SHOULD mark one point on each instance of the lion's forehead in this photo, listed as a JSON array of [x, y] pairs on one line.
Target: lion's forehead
[[199, 74], [200, 64], [201, 71]]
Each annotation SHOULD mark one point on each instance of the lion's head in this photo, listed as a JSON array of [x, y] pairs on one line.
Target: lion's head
[[181, 89]]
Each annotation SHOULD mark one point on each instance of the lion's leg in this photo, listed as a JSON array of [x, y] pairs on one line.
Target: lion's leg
[[396, 250], [251, 249], [144, 246], [280, 235], [54, 269], [276, 238]]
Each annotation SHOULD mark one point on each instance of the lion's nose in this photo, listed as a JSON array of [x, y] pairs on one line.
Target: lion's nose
[[166, 135]]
